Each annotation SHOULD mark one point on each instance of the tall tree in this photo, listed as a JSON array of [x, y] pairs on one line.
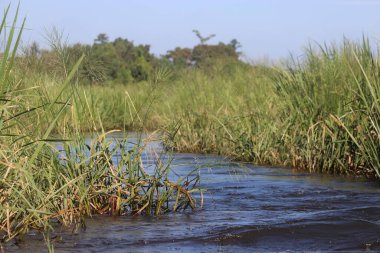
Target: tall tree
[[202, 39], [102, 38], [235, 44]]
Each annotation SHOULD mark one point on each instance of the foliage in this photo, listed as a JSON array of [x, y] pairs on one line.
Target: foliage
[[43, 184], [118, 61], [202, 39], [320, 113], [208, 54]]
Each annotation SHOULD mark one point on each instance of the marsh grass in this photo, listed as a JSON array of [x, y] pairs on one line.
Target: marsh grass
[[319, 113], [331, 102], [42, 185]]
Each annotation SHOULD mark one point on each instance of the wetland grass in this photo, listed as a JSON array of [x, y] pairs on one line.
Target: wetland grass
[[42, 185], [330, 110], [319, 113]]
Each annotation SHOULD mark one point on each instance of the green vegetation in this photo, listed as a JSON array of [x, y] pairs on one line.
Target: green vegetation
[[119, 61], [320, 114], [41, 186]]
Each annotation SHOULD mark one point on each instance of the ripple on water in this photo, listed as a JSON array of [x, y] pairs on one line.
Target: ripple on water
[[247, 208]]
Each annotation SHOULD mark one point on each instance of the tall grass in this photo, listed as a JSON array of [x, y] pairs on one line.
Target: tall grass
[[41, 185], [330, 102], [319, 113]]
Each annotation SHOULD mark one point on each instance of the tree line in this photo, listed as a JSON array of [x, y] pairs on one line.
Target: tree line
[[121, 60]]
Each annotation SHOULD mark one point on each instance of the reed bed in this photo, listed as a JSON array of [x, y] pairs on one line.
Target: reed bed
[[319, 113], [331, 111], [50, 175]]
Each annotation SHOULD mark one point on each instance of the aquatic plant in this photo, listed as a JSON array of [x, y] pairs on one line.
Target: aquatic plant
[[330, 111], [42, 185], [319, 113]]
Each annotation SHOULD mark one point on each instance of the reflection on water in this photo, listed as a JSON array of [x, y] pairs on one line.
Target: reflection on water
[[247, 208]]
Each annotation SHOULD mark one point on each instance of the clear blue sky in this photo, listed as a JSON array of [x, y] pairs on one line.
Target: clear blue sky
[[271, 28]]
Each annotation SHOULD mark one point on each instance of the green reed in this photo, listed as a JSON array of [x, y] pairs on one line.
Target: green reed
[[317, 113], [42, 186]]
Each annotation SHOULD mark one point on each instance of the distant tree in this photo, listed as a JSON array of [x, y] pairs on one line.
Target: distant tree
[[202, 39], [102, 38], [92, 70], [235, 44], [31, 59], [203, 54], [123, 61], [180, 56], [35, 49], [207, 54], [32, 52]]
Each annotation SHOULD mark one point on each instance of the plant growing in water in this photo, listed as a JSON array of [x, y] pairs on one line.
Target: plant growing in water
[[40, 185]]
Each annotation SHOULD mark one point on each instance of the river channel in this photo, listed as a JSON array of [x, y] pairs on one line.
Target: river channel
[[247, 208]]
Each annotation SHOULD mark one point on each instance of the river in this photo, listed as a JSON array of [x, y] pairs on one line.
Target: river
[[246, 208]]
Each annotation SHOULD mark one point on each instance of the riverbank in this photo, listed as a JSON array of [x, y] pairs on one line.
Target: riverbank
[[320, 113], [42, 185], [246, 208]]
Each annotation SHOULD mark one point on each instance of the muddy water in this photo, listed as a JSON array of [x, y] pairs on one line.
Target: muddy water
[[247, 208]]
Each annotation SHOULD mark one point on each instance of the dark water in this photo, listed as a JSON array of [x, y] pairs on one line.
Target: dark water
[[247, 209]]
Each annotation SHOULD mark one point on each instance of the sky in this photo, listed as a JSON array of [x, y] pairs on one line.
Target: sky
[[265, 28]]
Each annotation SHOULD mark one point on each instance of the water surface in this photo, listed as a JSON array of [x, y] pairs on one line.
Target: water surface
[[247, 208]]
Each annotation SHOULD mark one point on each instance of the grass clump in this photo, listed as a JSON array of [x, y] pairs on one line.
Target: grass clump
[[319, 113], [330, 110], [41, 185]]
